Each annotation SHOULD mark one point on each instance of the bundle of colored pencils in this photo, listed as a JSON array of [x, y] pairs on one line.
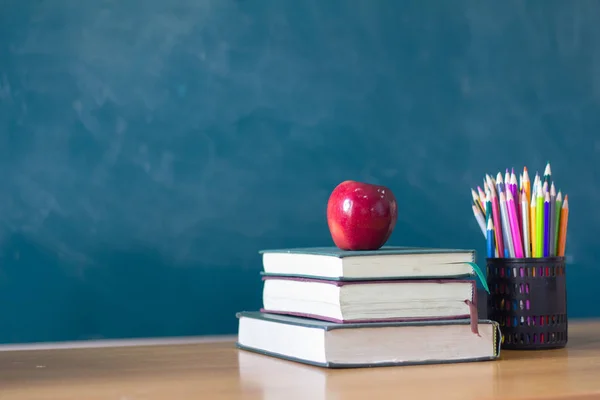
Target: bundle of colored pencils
[[519, 220]]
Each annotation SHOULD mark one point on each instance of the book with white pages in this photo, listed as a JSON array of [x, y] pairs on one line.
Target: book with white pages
[[385, 263], [332, 345]]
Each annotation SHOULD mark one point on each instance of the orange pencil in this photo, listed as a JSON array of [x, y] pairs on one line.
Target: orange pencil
[[564, 217], [526, 183]]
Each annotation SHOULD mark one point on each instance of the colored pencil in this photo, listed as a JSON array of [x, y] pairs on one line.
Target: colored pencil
[[499, 183], [488, 205], [520, 184], [506, 225], [496, 216], [526, 183], [489, 212], [476, 200], [532, 224], [547, 173], [552, 227], [480, 219], [564, 218], [536, 187], [527, 191], [539, 221], [515, 194], [513, 219], [557, 227], [503, 217], [481, 194], [547, 224], [525, 222], [491, 246], [521, 217]]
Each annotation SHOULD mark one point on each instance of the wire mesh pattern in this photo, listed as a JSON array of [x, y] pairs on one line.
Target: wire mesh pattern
[[528, 298]]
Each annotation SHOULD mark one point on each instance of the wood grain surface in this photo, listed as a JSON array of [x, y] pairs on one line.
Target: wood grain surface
[[219, 371]]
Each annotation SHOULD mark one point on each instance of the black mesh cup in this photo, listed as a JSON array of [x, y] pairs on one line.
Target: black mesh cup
[[528, 298]]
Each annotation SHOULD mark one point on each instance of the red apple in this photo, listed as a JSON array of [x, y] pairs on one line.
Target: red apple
[[361, 216]]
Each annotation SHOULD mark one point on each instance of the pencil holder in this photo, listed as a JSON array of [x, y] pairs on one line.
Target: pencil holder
[[528, 298]]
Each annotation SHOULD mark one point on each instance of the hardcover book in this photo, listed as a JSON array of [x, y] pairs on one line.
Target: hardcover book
[[370, 301], [385, 263], [331, 345]]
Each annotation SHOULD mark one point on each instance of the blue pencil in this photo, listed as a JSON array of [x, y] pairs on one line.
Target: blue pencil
[[491, 245], [499, 184], [547, 225]]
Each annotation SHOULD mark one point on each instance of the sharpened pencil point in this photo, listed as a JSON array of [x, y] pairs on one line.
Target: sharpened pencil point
[[523, 213], [547, 171]]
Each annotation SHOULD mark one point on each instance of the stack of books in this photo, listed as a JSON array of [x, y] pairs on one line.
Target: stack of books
[[393, 306]]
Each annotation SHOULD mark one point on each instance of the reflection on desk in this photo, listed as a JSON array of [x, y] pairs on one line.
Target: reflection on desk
[[219, 371]]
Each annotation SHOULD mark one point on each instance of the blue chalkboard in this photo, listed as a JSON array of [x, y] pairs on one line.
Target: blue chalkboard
[[148, 150]]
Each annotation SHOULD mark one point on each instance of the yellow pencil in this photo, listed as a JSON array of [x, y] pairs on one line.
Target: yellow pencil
[[477, 202], [539, 221]]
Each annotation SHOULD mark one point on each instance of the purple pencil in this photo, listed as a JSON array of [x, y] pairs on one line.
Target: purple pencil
[[547, 224]]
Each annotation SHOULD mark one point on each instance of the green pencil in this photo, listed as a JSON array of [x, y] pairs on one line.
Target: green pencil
[[559, 201], [488, 205], [539, 222], [548, 173]]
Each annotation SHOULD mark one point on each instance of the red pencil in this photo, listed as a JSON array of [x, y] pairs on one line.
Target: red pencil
[[496, 217]]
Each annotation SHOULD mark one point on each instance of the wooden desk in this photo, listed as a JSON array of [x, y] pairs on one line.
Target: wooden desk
[[218, 371]]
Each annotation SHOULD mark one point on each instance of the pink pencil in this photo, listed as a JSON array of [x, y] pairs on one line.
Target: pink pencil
[[514, 225]]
